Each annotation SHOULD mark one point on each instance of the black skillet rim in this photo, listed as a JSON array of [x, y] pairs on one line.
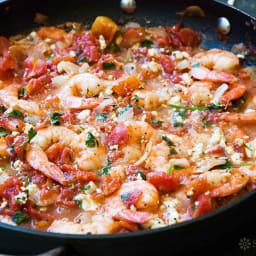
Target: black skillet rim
[[190, 222]]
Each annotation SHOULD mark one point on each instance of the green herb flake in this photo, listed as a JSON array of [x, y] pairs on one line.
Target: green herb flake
[[182, 114], [21, 92], [4, 132], [177, 167], [196, 65], [105, 170], [109, 65], [82, 59], [79, 202], [167, 140], [143, 176], [30, 39], [246, 164], [227, 165], [147, 43], [156, 121], [31, 135], [170, 169], [81, 127], [114, 48], [173, 151], [19, 217], [91, 141], [177, 124], [123, 30], [73, 185], [138, 107], [55, 118], [207, 124], [125, 197], [125, 109], [86, 187], [101, 117], [127, 60], [16, 113], [136, 97]]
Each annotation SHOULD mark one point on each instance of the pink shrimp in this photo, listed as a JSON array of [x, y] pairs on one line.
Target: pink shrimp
[[237, 182], [233, 117], [202, 73]]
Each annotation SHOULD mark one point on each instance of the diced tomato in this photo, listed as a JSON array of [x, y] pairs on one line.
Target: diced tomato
[[66, 198], [34, 67], [133, 216], [119, 136], [198, 186], [164, 182], [104, 26], [168, 64], [141, 51], [68, 117], [132, 198], [204, 205], [36, 85], [87, 176], [160, 36], [189, 37], [9, 189], [133, 36], [87, 44], [127, 86], [12, 124], [19, 146], [176, 78], [59, 154], [109, 185], [9, 140], [47, 192]]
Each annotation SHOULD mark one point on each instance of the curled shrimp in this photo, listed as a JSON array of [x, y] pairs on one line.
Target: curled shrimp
[[202, 73], [147, 201], [86, 85], [233, 117], [236, 91], [237, 182], [217, 59], [87, 158], [9, 98]]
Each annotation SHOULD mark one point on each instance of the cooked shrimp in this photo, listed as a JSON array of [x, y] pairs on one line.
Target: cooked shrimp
[[88, 158], [236, 91], [217, 59], [9, 98], [237, 181], [234, 117], [148, 201], [202, 73], [85, 85]]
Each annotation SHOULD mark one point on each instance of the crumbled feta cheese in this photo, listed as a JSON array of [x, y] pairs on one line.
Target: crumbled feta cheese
[[17, 165], [113, 147], [153, 66], [154, 223], [170, 210], [153, 53], [72, 53], [87, 202], [102, 41], [83, 115], [21, 198], [4, 203], [91, 188], [197, 151], [237, 158], [32, 189], [27, 127], [176, 100]]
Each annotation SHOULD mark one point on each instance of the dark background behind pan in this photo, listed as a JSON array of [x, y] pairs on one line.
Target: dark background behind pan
[[212, 231]]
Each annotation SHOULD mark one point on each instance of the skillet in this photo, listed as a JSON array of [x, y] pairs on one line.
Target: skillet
[[17, 17]]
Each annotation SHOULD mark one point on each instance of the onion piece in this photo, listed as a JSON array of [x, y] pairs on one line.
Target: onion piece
[[219, 93], [145, 155]]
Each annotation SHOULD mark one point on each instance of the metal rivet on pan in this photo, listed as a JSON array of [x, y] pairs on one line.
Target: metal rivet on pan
[[128, 6], [223, 25]]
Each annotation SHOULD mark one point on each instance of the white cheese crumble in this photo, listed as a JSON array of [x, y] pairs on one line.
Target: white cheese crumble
[[102, 41], [21, 198]]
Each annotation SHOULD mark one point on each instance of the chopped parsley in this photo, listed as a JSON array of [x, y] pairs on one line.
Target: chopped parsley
[[125, 109], [196, 65], [91, 141], [173, 151], [109, 65], [170, 169], [143, 176], [177, 124], [81, 127], [207, 124], [156, 121], [177, 167], [136, 97], [182, 114], [16, 113], [31, 135], [227, 165], [30, 39], [86, 187], [4, 132], [82, 59], [104, 170], [246, 164], [167, 140], [125, 197], [101, 117], [79, 202], [147, 43], [123, 30], [19, 217], [208, 107], [73, 185], [21, 92], [55, 118]]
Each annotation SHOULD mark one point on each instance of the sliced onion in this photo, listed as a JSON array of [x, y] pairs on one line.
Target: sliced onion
[[219, 93], [132, 24], [145, 155], [208, 164]]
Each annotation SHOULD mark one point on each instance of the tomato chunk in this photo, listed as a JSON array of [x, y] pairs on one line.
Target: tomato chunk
[[204, 205], [163, 182], [131, 198], [109, 185], [119, 136], [168, 64], [133, 36]]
